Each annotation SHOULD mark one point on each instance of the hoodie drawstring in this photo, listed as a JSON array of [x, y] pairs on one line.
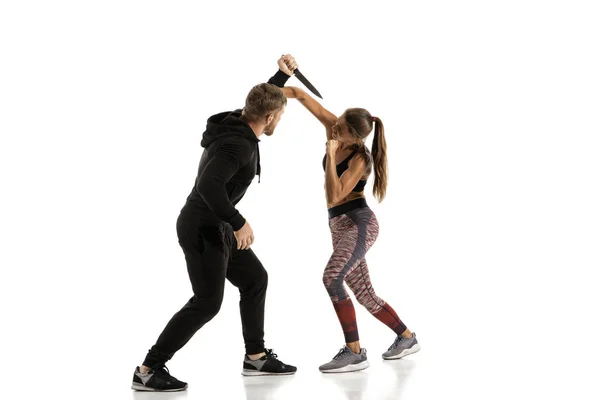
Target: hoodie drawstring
[[258, 162]]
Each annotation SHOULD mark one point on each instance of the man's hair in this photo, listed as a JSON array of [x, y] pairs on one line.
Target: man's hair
[[263, 99]]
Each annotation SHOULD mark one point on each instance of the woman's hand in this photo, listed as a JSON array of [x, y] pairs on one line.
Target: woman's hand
[[332, 146], [287, 64]]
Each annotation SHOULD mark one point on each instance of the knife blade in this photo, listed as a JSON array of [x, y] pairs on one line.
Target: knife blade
[[306, 82]]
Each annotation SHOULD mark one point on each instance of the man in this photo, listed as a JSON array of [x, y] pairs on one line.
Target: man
[[216, 238]]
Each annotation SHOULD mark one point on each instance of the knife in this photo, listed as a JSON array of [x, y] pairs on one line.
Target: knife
[[306, 83]]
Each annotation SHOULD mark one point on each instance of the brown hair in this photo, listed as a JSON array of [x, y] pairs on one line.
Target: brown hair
[[362, 123], [262, 100]]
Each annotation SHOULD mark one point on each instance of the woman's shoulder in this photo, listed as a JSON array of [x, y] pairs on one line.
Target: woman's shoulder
[[364, 155]]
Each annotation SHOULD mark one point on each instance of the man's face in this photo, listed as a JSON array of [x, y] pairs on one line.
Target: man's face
[[270, 128]]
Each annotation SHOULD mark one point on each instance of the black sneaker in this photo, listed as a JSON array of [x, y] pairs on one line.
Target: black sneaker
[[158, 379], [267, 365]]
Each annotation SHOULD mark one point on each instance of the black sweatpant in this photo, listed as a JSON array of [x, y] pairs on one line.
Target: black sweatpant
[[211, 255]]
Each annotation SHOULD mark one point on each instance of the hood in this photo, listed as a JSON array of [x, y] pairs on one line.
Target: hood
[[226, 123], [229, 123]]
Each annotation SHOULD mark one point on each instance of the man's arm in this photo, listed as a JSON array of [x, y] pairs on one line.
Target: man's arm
[[211, 183], [279, 79], [286, 64]]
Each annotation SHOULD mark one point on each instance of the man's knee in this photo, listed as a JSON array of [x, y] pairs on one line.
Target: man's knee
[[256, 282], [261, 279], [262, 276], [205, 306]]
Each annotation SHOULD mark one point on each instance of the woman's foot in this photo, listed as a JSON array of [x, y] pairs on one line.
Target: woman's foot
[[346, 361], [402, 347]]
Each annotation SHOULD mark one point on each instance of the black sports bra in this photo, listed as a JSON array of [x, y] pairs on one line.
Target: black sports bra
[[343, 166]]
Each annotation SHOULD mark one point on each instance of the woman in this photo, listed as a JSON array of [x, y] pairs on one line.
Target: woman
[[354, 228]]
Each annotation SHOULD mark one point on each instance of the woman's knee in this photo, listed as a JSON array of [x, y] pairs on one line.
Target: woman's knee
[[326, 280], [334, 286], [329, 276], [369, 300], [363, 298]]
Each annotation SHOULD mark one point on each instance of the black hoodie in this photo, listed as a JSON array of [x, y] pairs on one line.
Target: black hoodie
[[227, 167]]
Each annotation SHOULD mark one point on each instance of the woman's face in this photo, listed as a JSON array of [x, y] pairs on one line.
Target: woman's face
[[341, 131]]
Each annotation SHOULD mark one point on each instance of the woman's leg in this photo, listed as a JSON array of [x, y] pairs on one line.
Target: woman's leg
[[360, 284], [348, 251], [349, 236]]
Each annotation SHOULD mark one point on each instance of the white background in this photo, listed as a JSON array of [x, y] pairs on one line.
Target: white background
[[489, 233]]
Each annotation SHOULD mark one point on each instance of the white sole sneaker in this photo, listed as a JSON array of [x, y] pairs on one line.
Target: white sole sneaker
[[141, 388], [249, 372], [404, 353], [348, 368]]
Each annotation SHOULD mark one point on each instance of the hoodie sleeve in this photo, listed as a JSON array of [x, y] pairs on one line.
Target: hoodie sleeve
[[230, 157], [279, 79]]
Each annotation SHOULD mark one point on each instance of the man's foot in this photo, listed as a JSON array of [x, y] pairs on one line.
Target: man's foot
[[158, 379], [266, 365], [346, 361], [402, 347]]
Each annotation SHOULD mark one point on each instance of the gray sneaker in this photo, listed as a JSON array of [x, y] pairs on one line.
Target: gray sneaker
[[346, 361], [402, 347]]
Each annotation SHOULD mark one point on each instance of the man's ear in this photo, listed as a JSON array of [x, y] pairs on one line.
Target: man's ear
[[270, 118]]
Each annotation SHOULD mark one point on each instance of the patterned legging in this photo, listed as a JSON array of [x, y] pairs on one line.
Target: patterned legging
[[353, 235]]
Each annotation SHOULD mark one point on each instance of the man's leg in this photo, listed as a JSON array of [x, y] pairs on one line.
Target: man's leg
[[207, 274], [206, 256], [246, 272]]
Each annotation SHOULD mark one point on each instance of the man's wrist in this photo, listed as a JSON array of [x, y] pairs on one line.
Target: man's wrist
[[279, 79]]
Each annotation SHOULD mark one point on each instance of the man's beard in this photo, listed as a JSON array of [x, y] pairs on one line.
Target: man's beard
[[269, 130]]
